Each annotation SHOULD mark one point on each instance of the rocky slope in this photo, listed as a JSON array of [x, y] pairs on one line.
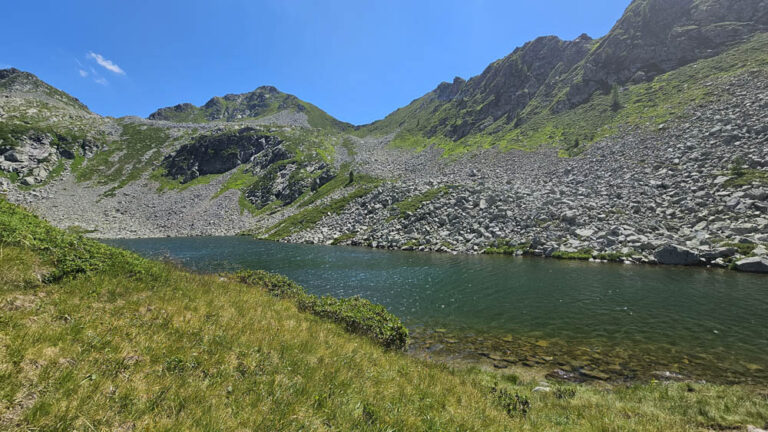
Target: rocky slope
[[670, 166], [688, 185], [40, 126]]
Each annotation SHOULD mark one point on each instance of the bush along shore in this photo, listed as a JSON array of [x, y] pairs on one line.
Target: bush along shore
[[356, 314], [97, 338]]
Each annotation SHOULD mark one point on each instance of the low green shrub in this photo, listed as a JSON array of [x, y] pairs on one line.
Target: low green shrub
[[743, 248], [342, 238], [581, 254], [277, 285], [612, 256], [746, 176], [565, 393], [308, 217], [360, 316], [413, 203], [357, 315], [513, 404], [505, 247]]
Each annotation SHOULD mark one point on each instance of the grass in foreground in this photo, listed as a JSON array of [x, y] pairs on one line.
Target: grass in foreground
[[117, 342]]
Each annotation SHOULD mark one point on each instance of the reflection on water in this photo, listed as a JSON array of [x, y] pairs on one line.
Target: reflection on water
[[619, 320]]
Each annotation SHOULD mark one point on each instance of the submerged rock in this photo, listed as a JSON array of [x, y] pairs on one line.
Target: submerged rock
[[561, 375]]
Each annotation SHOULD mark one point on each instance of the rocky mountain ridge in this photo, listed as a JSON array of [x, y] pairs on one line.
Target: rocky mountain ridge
[[549, 75]]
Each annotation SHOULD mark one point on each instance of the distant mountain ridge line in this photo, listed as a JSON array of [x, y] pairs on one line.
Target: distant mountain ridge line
[[544, 76]]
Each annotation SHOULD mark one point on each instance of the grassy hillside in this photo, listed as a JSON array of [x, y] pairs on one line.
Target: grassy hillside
[[95, 338]]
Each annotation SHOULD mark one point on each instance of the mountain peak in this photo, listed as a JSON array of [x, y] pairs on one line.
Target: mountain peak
[[267, 89], [656, 36], [22, 83], [16, 80], [266, 104], [5, 73]]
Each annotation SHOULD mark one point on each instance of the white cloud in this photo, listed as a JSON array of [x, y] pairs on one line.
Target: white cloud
[[106, 64], [101, 80], [83, 73]]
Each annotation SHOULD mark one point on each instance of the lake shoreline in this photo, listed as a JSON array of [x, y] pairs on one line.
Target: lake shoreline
[[619, 259]]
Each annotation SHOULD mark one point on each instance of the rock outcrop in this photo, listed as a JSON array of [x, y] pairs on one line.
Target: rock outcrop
[[217, 153], [286, 182], [32, 159]]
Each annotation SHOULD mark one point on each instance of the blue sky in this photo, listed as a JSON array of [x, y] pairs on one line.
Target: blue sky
[[356, 59]]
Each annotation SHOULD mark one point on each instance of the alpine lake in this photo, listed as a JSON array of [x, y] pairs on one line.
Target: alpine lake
[[581, 321]]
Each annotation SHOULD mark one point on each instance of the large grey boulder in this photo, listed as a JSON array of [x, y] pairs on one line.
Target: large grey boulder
[[569, 217], [16, 155], [676, 255], [753, 265]]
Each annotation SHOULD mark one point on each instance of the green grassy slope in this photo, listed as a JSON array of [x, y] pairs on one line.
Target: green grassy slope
[[115, 342], [126, 159]]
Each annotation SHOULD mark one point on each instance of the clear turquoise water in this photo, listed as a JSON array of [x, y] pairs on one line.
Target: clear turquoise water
[[701, 322]]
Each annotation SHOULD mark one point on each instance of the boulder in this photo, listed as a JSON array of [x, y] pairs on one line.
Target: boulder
[[29, 181], [569, 217], [719, 253], [742, 229], [676, 255], [16, 155], [753, 265]]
